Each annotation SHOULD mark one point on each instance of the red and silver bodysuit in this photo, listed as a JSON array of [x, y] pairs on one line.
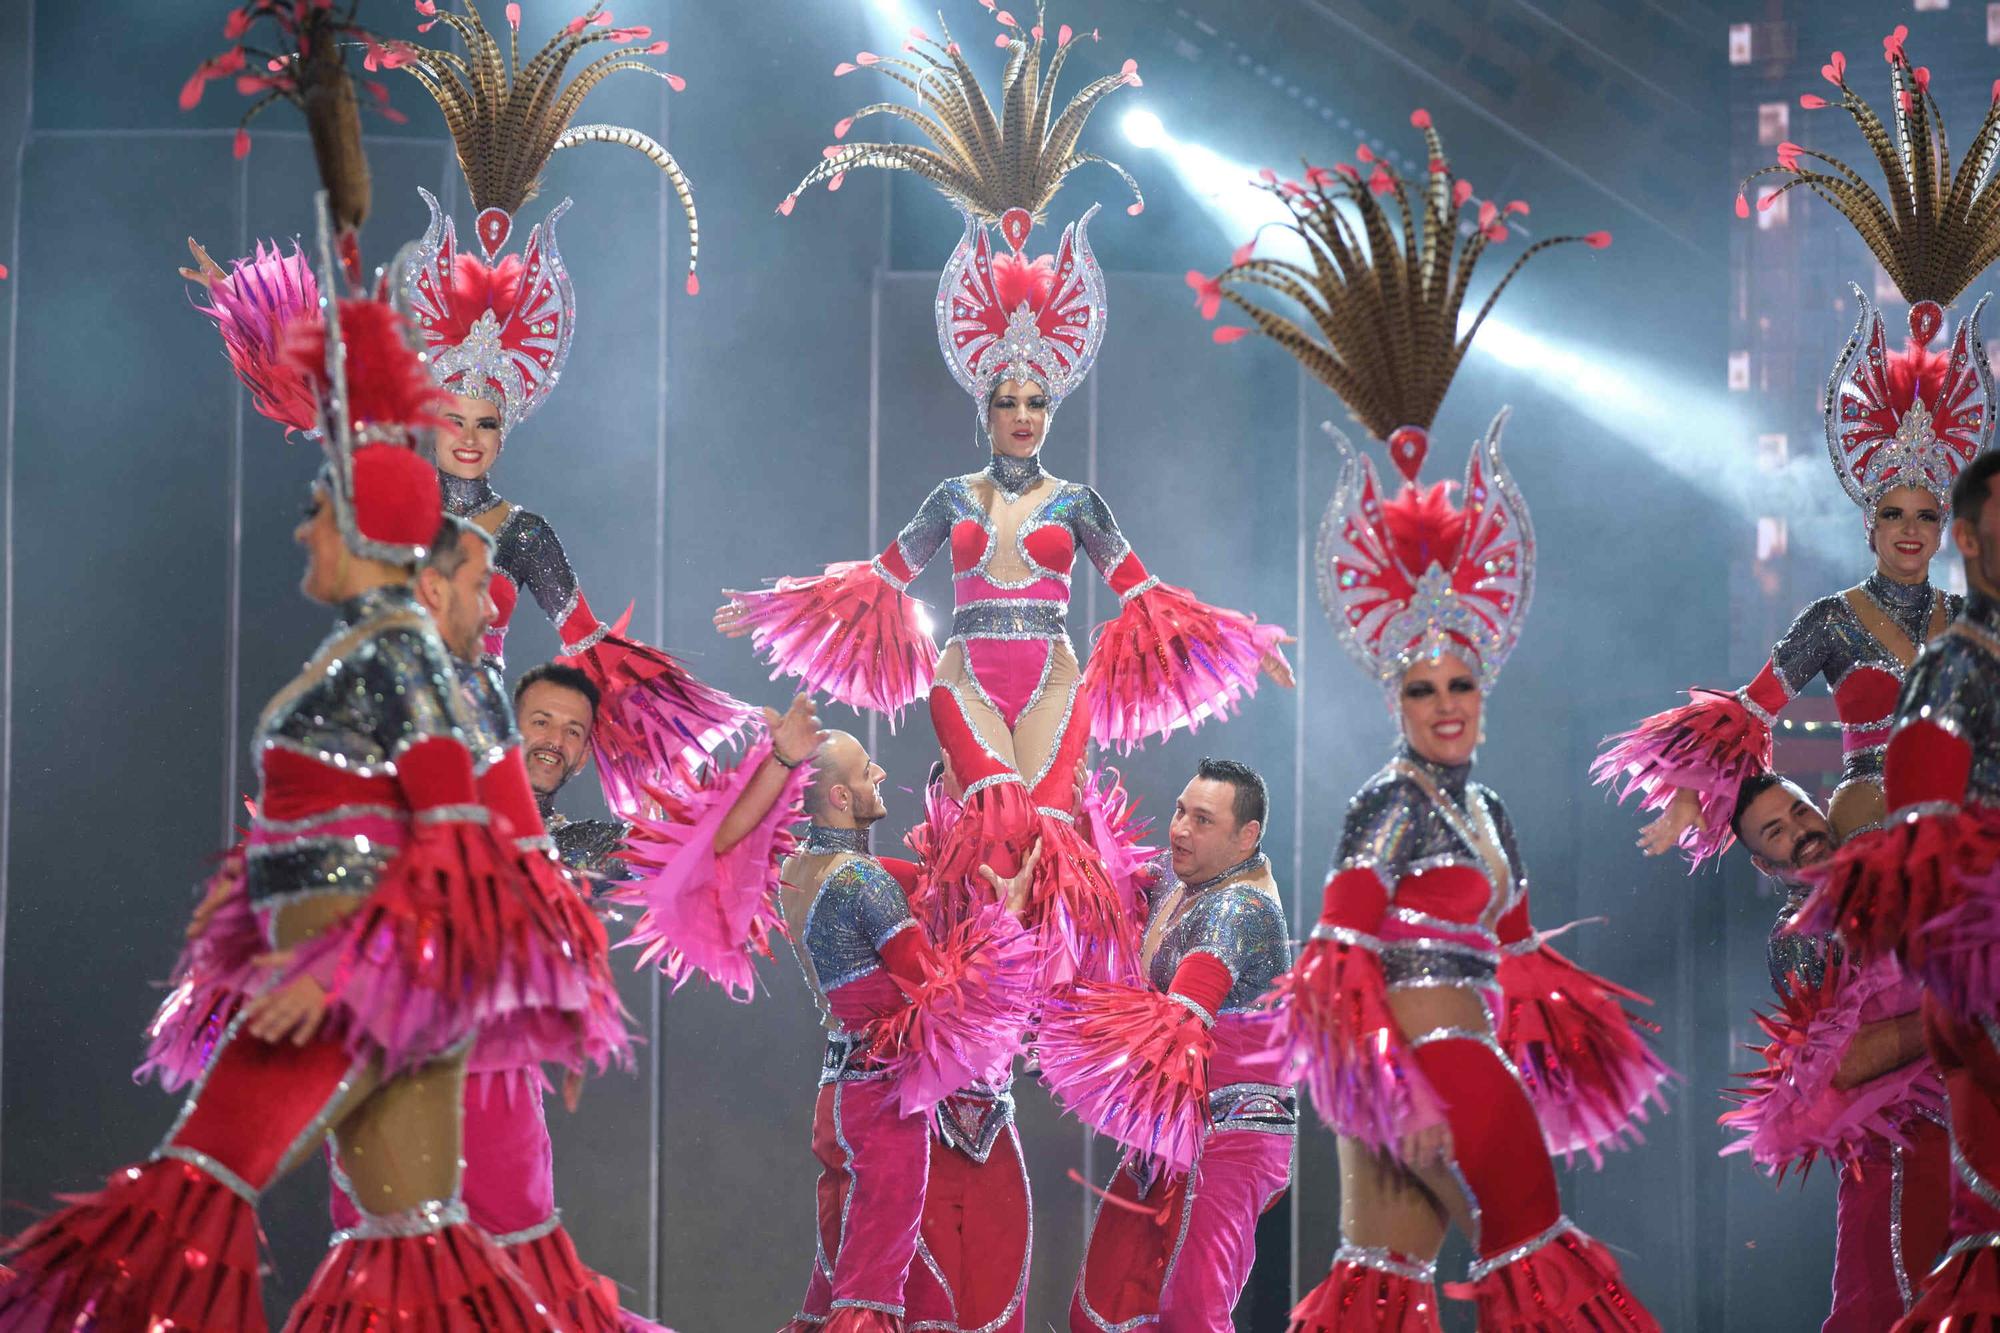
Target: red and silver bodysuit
[[507, 1160], [1428, 891], [1173, 1249], [1011, 707]]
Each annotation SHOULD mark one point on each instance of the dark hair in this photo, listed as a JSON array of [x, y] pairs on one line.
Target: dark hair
[[1968, 494], [447, 552], [1753, 786], [568, 677], [1253, 798]]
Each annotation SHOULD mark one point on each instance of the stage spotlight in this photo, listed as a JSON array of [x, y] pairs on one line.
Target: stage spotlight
[[1144, 129]]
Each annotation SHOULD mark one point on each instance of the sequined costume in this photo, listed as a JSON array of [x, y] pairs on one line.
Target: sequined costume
[[1923, 891], [912, 1024], [1010, 704], [1885, 1136], [1426, 905], [589, 847], [373, 863], [1172, 1246]]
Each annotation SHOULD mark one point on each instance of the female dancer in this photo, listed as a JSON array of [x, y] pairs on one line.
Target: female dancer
[[1008, 698], [403, 927], [499, 332], [1899, 426], [1451, 1049]]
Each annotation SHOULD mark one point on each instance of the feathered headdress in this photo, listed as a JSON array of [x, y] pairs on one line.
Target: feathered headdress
[[501, 329], [1384, 289], [1909, 416], [986, 164]]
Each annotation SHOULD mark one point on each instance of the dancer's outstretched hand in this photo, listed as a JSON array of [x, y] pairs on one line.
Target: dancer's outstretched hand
[[206, 270], [796, 736], [1423, 1148], [1013, 892], [1683, 812], [729, 620], [293, 1011], [1276, 667]]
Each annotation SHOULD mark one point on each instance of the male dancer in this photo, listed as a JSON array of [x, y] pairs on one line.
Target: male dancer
[[556, 706], [1172, 1250], [863, 950], [1848, 1077]]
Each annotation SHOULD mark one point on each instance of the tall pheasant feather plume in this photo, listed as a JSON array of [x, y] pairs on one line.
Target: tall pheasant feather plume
[[983, 162], [1934, 229], [1385, 285], [508, 118]]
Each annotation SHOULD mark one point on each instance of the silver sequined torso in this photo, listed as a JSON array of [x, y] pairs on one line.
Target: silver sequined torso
[[1956, 683], [1066, 505], [1239, 920], [390, 688], [1828, 641], [590, 847], [1394, 828], [490, 730]]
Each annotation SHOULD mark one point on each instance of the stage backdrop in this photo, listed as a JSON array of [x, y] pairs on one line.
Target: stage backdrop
[[795, 412]]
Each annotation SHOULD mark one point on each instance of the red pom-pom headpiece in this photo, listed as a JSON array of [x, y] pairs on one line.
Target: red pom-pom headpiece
[[375, 402]]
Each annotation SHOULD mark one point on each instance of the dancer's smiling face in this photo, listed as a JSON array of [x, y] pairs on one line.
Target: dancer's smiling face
[[555, 726], [1017, 417], [1784, 830], [468, 443], [1908, 527], [1440, 702]]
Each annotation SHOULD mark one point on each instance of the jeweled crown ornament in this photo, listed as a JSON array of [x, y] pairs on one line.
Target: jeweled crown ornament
[[1415, 575], [1003, 316]]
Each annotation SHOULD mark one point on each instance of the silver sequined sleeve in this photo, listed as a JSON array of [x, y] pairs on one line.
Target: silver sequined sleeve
[[1382, 824], [1244, 930], [1955, 683], [1503, 823], [1804, 649], [929, 528], [532, 555], [881, 907], [1096, 530]]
